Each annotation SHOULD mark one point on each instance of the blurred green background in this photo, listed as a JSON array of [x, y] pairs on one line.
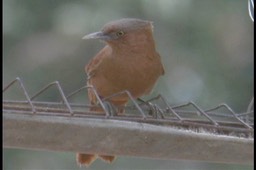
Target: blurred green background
[[206, 48]]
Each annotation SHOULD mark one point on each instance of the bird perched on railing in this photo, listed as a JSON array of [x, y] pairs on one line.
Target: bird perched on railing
[[129, 61]]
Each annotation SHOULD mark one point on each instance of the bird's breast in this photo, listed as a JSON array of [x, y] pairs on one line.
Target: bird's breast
[[137, 74]]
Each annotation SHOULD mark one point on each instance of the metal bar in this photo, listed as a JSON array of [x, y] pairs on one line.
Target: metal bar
[[51, 108], [43, 103], [184, 134], [115, 137], [225, 128]]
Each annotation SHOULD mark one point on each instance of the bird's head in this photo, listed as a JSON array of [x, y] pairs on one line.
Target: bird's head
[[124, 31]]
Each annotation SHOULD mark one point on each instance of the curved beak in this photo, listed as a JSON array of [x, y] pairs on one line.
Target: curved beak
[[97, 35]]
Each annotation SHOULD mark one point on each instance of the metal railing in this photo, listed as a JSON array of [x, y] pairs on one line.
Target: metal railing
[[152, 128]]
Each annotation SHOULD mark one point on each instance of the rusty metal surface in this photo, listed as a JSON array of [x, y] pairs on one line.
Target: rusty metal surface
[[152, 128]]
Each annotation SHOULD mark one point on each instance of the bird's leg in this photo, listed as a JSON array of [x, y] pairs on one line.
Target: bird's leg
[[110, 107], [107, 158]]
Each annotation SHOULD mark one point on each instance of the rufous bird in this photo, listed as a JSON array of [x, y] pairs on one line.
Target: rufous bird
[[129, 61]]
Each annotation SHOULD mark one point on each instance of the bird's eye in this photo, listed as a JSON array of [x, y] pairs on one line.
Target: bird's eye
[[120, 33]]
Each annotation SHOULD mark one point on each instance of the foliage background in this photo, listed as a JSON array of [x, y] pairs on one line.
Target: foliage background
[[206, 47]]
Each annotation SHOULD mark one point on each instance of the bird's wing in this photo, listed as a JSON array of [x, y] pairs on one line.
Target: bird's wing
[[91, 70], [92, 66], [158, 56]]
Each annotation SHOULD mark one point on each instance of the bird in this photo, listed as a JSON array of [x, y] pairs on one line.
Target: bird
[[128, 62]]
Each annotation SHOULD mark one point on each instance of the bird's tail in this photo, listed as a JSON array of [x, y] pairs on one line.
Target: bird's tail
[[87, 159]]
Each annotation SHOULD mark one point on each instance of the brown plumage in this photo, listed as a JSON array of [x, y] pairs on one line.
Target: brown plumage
[[129, 61]]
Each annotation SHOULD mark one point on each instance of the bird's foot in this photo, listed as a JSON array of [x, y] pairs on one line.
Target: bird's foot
[[153, 109], [112, 110]]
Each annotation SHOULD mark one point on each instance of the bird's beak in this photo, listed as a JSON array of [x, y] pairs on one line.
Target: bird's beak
[[97, 35]]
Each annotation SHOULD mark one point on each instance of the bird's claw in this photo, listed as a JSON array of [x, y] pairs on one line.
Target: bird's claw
[[112, 110], [153, 109]]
